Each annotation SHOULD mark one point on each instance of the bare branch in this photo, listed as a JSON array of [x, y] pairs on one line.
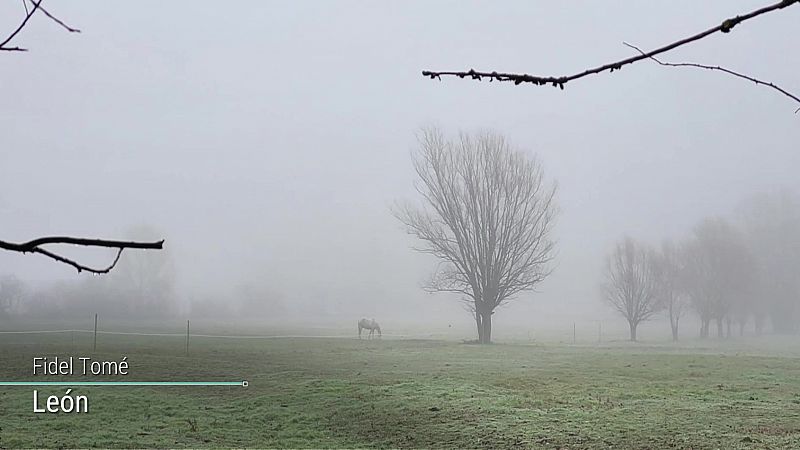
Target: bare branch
[[35, 246], [78, 266], [54, 19], [559, 81], [27, 246], [28, 14], [722, 69], [19, 28]]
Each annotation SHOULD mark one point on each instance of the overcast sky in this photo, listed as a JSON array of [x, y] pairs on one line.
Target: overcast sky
[[268, 140]]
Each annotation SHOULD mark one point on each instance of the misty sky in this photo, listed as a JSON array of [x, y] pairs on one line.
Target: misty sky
[[268, 140]]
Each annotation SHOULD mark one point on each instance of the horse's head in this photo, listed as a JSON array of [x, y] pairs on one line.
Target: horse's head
[[378, 329]]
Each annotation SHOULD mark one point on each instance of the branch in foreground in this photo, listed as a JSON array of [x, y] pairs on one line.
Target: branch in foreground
[[725, 27], [18, 29], [28, 13], [722, 69], [35, 246], [54, 18]]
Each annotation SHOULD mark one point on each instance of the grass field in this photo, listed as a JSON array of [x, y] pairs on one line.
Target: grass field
[[413, 393]]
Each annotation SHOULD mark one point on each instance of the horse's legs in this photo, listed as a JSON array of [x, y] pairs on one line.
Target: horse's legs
[[359, 331]]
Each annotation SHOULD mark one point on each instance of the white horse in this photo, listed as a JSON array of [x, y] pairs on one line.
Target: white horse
[[370, 325]]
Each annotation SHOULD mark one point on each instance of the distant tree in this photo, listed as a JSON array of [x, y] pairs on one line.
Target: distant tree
[[720, 270], [700, 282], [631, 283], [671, 289], [771, 225], [488, 215], [259, 301], [145, 280], [82, 298], [12, 290], [741, 310]]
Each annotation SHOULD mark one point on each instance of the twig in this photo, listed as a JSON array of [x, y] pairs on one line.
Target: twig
[[55, 19], [28, 14], [725, 27], [35, 246], [19, 28], [722, 69], [79, 267]]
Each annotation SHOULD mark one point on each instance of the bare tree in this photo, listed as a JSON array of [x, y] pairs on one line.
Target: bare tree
[[11, 292], [771, 223], [721, 271], [631, 283], [487, 215], [670, 266], [559, 81], [701, 282], [145, 280], [37, 245]]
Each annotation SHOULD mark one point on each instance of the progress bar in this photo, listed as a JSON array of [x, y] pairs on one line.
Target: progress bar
[[242, 383]]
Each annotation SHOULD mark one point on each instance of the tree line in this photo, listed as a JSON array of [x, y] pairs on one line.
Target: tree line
[[728, 271]]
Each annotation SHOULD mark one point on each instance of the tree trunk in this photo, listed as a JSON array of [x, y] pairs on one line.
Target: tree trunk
[[758, 323], [480, 326], [633, 331], [782, 316], [741, 328], [728, 328], [486, 321], [704, 326], [674, 325]]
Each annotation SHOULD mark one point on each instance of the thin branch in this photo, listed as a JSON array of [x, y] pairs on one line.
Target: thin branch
[[725, 27], [28, 246], [28, 14], [54, 18], [78, 266], [19, 28], [722, 69], [35, 246]]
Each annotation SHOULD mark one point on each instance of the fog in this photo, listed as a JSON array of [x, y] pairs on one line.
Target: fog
[[268, 141]]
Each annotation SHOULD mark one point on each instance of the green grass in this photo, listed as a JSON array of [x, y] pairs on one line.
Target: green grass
[[411, 393]]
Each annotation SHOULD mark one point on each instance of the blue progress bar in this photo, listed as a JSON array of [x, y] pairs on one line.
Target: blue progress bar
[[242, 383]]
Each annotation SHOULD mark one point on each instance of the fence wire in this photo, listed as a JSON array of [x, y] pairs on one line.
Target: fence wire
[[223, 336]]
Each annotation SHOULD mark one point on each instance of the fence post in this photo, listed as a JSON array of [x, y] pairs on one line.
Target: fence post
[[187, 337], [94, 348], [599, 331], [573, 333]]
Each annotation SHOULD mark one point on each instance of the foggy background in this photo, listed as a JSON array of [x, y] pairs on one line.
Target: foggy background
[[267, 141]]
